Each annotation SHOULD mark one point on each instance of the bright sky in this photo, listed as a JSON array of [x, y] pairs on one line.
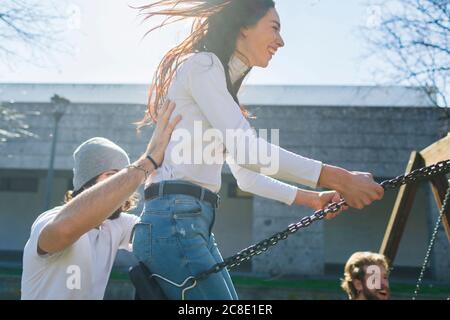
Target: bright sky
[[322, 46]]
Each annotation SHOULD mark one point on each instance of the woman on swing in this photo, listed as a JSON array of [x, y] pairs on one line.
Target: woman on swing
[[202, 75]]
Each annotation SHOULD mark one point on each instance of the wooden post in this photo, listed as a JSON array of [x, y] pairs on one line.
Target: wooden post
[[439, 186], [437, 152], [400, 212]]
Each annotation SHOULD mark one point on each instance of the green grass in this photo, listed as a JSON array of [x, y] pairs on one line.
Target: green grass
[[286, 283], [119, 276], [332, 286]]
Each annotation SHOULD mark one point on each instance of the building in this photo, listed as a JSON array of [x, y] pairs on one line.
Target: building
[[370, 129]]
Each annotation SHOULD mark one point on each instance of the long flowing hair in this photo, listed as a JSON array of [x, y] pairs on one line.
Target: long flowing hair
[[215, 28]]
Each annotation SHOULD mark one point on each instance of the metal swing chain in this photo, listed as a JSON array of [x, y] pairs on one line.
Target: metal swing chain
[[444, 209], [248, 253]]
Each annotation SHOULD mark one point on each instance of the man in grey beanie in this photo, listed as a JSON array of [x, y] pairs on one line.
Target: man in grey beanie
[[72, 248], [95, 156]]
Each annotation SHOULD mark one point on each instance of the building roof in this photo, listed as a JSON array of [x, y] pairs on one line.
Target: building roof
[[348, 96]]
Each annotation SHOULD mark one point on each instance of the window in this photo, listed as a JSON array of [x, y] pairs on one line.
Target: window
[[19, 184]]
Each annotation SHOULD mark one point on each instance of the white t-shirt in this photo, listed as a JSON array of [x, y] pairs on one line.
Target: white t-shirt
[[80, 271], [202, 98]]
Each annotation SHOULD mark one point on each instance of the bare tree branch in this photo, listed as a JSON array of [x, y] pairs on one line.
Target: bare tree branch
[[413, 39], [29, 32]]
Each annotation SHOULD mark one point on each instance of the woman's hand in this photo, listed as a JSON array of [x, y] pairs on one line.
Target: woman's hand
[[319, 200], [328, 197], [358, 188], [361, 190]]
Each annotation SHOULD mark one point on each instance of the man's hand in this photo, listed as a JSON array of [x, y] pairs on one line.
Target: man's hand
[[162, 133]]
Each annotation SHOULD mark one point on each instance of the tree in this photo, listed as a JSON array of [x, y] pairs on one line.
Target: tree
[[412, 38], [29, 31]]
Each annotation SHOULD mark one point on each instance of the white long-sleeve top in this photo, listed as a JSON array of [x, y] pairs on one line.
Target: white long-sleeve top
[[202, 98]]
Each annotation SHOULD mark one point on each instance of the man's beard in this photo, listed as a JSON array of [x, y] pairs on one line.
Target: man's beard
[[372, 294], [116, 214]]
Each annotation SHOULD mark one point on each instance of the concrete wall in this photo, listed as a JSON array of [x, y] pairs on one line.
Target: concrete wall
[[18, 210], [303, 253], [81, 122], [363, 231], [233, 225]]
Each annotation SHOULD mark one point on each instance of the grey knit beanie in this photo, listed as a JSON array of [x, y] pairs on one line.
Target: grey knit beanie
[[95, 156]]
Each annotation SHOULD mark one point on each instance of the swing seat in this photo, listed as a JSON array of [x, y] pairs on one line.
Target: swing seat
[[146, 287]]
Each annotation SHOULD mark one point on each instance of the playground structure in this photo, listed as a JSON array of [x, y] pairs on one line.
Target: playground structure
[[436, 152]]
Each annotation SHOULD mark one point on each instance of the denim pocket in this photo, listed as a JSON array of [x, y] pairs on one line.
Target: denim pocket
[[157, 206], [142, 241], [185, 208]]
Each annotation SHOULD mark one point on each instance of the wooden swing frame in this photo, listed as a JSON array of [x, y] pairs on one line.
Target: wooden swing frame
[[434, 153]]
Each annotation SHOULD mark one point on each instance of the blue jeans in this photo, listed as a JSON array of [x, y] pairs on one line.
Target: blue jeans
[[174, 240]]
